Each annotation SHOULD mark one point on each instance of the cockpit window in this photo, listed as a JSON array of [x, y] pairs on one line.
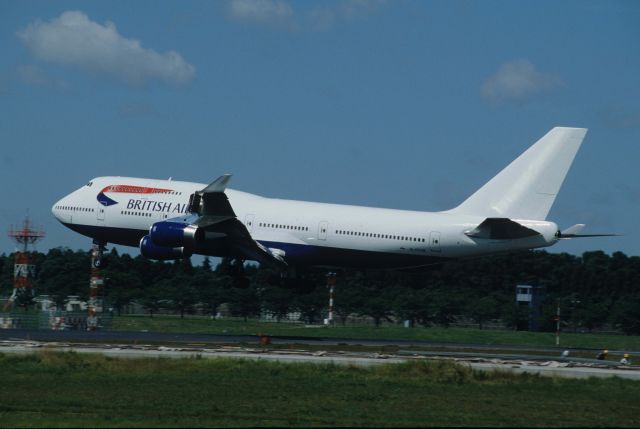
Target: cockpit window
[[90, 183]]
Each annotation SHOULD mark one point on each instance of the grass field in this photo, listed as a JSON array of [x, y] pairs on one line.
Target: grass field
[[67, 389], [194, 324]]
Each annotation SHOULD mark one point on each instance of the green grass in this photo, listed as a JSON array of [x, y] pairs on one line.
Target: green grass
[[67, 389], [194, 324]]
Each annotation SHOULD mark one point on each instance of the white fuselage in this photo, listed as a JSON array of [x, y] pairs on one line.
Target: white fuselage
[[121, 210]]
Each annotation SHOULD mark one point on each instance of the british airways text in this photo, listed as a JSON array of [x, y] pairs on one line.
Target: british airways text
[[157, 206]]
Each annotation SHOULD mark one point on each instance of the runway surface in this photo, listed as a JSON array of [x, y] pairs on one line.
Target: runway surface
[[359, 352]]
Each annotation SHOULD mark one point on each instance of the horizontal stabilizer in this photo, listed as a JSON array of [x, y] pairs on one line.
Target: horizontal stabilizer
[[574, 232], [501, 229], [589, 235]]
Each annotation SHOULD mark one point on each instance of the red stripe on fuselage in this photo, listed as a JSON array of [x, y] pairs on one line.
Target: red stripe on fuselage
[[129, 189]]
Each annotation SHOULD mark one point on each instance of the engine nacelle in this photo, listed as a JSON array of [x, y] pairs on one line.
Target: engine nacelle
[[175, 234], [151, 251]]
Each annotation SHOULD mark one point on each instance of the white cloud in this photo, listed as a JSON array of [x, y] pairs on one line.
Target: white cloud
[[324, 17], [280, 14], [517, 82], [33, 75], [360, 7], [73, 39], [321, 18], [271, 12]]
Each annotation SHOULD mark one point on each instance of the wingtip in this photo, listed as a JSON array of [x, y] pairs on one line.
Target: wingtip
[[574, 129]]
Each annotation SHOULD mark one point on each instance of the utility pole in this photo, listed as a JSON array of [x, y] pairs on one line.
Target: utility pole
[[95, 283], [558, 324], [331, 283]]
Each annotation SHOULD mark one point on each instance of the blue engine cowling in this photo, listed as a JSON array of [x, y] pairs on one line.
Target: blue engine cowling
[[175, 234], [162, 253]]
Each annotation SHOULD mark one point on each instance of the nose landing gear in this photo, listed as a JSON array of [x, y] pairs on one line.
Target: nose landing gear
[[97, 253]]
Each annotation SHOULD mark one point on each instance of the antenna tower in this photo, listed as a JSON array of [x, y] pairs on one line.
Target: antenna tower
[[25, 237]]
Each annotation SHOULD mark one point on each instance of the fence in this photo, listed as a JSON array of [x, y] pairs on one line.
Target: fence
[[56, 321]]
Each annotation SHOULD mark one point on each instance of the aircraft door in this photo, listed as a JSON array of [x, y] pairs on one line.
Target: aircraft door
[[100, 213], [248, 222], [434, 241], [323, 229]]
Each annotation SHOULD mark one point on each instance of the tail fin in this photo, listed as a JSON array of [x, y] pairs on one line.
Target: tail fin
[[527, 188]]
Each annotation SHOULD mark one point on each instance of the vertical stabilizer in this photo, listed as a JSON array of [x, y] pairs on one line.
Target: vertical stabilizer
[[527, 187]]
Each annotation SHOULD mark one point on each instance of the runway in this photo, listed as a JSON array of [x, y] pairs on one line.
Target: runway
[[340, 351]]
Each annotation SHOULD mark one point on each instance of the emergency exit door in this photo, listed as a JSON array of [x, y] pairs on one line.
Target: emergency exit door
[[248, 222], [100, 212], [434, 241], [323, 229]]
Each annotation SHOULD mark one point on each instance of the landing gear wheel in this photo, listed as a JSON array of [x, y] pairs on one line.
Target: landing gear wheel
[[98, 260]]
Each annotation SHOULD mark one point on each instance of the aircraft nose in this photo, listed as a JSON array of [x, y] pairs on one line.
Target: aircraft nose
[[61, 208], [55, 209]]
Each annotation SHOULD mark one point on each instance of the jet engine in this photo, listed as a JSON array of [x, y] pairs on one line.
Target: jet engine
[[175, 234], [162, 253]]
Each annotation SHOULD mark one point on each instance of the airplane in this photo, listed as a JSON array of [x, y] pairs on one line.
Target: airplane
[[170, 219]]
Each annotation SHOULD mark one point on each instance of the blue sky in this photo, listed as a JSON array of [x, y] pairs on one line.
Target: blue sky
[[403, 104]]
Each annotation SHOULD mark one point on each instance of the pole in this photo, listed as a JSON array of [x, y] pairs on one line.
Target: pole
[[95, 282], [331, 282], [331, 305], [558, 325]]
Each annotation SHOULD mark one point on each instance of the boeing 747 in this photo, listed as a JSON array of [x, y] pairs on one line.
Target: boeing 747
[[170, 219]]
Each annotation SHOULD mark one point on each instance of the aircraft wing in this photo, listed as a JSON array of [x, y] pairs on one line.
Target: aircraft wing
[[215, 214]]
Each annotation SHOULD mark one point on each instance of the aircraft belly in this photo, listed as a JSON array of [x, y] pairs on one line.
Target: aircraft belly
[[122, 236], [296, 254]]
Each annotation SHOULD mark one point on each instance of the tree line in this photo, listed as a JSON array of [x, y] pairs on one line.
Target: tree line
[[594, 290]]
